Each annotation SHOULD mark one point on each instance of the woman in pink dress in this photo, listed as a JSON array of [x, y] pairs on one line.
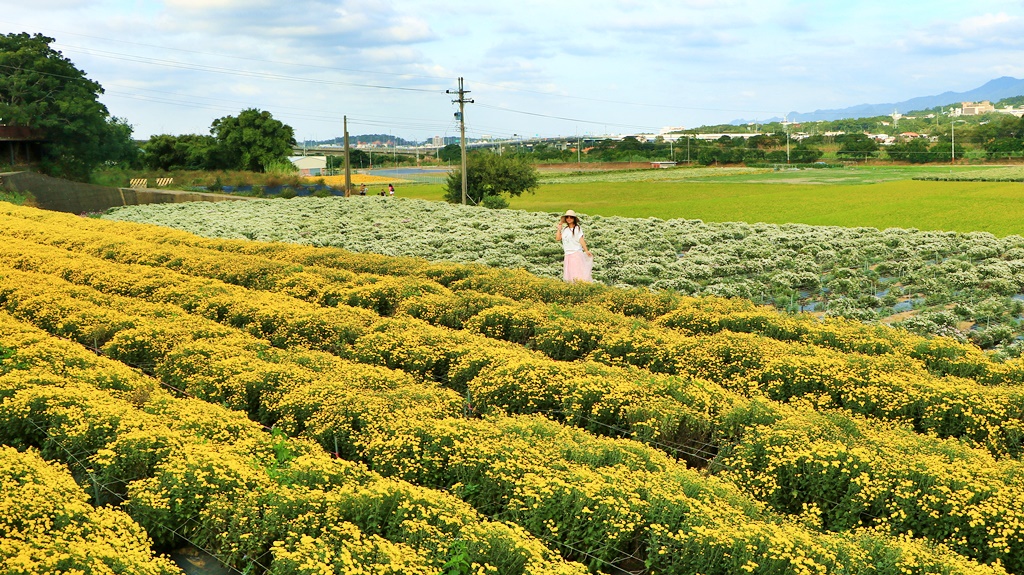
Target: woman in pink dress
[[578, 260]]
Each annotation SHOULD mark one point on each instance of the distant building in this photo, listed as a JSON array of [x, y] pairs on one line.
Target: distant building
[[310, 165], [20, 144], [976, 108]]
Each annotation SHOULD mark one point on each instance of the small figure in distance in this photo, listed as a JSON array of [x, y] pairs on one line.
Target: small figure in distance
[[362, 190], [391, 190], [579, 262]]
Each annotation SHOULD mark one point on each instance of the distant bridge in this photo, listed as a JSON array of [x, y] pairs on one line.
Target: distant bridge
[[424, 150], [340, 150]]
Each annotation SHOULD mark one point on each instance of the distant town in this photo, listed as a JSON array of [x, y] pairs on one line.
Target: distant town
[[382, 142]]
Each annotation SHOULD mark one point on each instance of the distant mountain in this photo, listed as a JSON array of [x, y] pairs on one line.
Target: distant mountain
[[993, 91]]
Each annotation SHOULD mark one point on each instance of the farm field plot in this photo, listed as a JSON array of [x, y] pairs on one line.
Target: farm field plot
[[962, 198], [850, 197], [299, 409], [964, 206], [967, 285]]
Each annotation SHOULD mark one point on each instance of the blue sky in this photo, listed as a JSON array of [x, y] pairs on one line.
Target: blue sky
[[533, 68]]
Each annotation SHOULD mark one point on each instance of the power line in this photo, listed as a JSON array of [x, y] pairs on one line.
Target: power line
[[290, 78], [247, 58], [234, 72], [283, 77], [537, 114], [502, 87], [221, 104], [505, 87]]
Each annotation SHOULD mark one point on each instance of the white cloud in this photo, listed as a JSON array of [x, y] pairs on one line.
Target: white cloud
[[206, 5], [664, 62], [969, 34]]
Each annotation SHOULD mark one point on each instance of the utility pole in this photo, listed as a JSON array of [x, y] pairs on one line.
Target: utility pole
[[787, 139], [952, 139], [462, 101], [348, 165]]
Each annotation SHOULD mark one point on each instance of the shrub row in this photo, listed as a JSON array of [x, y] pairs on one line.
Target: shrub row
[[186, 470], [505, 386], [539, 393], [782, 370], [47, 525], [315, 273], [612, 499]]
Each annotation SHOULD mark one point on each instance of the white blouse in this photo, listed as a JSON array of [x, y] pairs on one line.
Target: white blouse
[[571, 239]]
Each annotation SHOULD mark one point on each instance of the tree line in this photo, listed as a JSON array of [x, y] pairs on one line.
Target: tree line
[[999, 136], [45, 92], [42, 90]]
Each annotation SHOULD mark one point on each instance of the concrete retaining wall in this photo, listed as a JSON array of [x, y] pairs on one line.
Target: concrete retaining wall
[[78, 198]]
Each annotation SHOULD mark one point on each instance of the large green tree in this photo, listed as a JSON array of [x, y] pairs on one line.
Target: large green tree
[[187, 151], [252, 141], [856, 146], [450, 153], [915, 151], [490, 177], [42, 90]]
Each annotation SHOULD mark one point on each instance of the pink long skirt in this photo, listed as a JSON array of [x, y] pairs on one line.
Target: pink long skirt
[[577, 267]]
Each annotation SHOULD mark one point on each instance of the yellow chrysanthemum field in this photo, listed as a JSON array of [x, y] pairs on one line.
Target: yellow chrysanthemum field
[[357, 179], [298, 409]]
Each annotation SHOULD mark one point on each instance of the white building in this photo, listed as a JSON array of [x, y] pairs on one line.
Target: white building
[[310, 165]]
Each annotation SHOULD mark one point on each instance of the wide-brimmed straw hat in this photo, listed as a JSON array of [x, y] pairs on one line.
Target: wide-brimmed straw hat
[[567, 214]]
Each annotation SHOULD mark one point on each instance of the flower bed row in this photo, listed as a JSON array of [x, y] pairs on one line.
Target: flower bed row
[[185, 470], [320, 273], [552, 480], [47, 525], [863, 273], [885, 386], [509, 387]]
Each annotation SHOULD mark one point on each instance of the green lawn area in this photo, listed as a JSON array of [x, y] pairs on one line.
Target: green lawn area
[[875, 197]]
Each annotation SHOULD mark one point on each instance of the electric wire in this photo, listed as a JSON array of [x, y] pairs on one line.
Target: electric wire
[[246, 58], [215, 104], [499, 87], [292, 78], [243, 73]]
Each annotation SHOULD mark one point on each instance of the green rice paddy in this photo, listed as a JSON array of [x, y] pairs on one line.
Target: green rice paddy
[[879, 197]]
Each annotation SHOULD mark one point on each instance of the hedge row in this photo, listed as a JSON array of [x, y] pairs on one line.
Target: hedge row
[[501, 384], [185, 470], [316, 272]]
